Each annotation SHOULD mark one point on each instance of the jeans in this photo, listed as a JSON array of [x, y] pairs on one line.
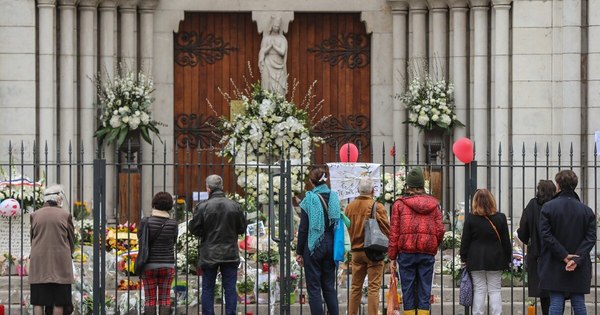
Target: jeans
[[416, 276], [487, 283], [321, 273], [361, 267], [557, 303], [229, 278]]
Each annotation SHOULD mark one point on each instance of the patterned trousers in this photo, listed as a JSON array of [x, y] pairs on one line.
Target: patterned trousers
[[158, 281]]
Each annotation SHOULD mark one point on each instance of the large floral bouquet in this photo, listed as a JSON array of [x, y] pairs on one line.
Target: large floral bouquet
[[392, 186], [125, 106], [430, 103], [28, 193], [270, 129]]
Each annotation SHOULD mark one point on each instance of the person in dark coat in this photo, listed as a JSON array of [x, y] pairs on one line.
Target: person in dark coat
[[217, 222], [320, 213], [159, 270], [568, 231], [529, 234], [485, 248]]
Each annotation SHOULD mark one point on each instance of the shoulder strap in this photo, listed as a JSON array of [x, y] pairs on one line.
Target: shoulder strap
[[325, 207], [374, 210], [493, 225], [157, 235]]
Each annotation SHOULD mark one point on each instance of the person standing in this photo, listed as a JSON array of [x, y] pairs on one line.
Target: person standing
[[415, 236], [52, 243], [529, 234], [320, 213], [159, 270], [568, 231], [217, 222], [485, 248], [358, 211]]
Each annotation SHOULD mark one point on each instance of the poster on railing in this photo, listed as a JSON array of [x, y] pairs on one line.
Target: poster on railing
[[12, 231], [344, 177]]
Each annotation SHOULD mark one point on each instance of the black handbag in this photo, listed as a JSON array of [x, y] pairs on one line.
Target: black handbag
[[144, 248]]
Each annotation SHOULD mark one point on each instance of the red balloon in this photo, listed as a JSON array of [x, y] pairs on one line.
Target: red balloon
[[349, 153], [463, 149]]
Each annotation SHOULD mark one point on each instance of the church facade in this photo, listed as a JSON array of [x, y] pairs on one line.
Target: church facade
[[524, 71]]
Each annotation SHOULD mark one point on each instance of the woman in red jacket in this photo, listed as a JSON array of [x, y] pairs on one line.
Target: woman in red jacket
[[415, 235]]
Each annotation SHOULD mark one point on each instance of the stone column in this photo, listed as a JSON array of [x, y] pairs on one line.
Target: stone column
[[459, 76], [501, 102], [108, 9], [417, 66], [438, 62], [399, 75], [128, 40], [47, 85], [501, 111], [146, 9], [146, 31], [571, 70], [480, 107], [87, 91], [67, 114]]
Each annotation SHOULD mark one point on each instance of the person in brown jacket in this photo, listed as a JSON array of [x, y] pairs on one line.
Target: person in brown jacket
[[358, 211], [52, 243]]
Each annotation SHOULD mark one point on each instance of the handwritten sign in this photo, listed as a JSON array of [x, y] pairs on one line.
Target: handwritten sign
[[344, 177], [10, 235]]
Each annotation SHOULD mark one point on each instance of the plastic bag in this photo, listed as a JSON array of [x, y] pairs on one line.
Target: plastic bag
[[393, 303], [339, 242]]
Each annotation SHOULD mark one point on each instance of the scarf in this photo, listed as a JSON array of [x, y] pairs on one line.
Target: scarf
[[312, 205]]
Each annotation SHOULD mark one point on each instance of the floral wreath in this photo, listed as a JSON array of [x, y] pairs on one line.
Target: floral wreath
[[269, 129]]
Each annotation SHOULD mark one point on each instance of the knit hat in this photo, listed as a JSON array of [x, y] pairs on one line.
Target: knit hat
[[415, 178]]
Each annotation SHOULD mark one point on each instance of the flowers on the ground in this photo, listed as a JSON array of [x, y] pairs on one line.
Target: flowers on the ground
[[81, 210], [121, 238], [125, 102], [187, 251], [430, 103], [270, 129], [451, 240]]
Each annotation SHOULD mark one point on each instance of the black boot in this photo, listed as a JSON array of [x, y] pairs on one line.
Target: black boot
[[150, 310], [164, 310]]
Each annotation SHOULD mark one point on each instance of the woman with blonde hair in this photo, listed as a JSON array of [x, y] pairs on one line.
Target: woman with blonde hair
[[486, 250]]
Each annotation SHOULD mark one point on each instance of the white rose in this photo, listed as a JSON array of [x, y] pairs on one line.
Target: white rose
[[125, 119], [134, 123], [115, 121], [423, 120], [435, 117]]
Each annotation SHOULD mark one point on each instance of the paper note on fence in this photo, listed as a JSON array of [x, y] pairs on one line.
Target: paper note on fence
[[344, 177]]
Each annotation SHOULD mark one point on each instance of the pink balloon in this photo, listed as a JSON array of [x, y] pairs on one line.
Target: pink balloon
[[9, 207], [349, 153], [463, 149]]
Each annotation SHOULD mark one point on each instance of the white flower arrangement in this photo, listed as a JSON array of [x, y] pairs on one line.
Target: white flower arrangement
[[392, 186], [271, 128], [125, 106], [430, 103], [28, 193]]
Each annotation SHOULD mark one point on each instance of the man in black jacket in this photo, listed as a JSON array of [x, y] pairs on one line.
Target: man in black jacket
[[217, 222], [568, 231]]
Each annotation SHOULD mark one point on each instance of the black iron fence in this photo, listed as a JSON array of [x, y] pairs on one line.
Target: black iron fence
[[109, 193]]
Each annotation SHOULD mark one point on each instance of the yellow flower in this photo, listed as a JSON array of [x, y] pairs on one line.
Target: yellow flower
[[180, 201]]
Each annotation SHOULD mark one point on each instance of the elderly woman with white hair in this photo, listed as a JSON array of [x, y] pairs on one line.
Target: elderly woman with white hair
[[52, 242]]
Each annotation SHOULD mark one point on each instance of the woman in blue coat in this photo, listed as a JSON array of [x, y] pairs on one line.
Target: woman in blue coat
[[568, 231]]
